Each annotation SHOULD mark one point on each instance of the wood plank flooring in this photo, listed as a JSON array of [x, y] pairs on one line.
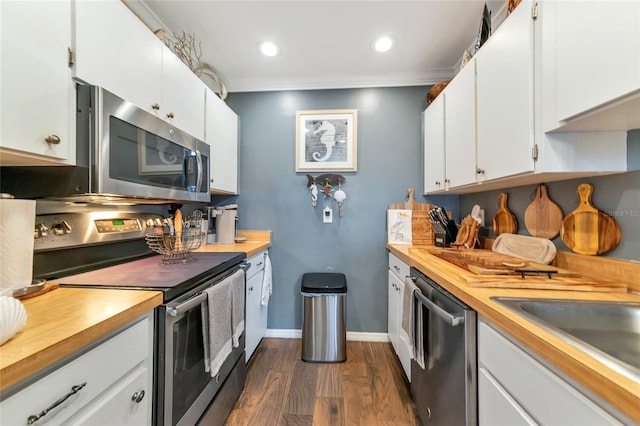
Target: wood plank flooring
[[368, 389]]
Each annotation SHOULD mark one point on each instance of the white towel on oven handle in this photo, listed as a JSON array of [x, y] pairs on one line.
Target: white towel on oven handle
[[267, 281], [216, 325]]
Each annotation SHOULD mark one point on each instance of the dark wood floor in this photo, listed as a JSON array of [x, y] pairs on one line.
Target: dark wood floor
[[368, 389]]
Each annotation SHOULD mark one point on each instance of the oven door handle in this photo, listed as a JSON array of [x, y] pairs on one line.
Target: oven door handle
[[453, 320], [188, 304]]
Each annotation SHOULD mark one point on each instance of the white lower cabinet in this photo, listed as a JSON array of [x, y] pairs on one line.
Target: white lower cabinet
[[110, 384], [514, 388], [256, 313], [398, 270]]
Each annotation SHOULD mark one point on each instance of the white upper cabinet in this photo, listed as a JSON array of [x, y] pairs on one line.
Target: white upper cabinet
[[221, 128], [135, 65], [126, 62], [597, 54], [37, 93], [182, 95], [514, 95], [434, 140], [505, 98], [460, 128]]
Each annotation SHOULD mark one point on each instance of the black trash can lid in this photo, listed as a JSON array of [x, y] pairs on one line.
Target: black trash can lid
[[324, 282]]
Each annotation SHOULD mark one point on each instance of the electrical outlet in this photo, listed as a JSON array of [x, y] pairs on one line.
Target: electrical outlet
[[327, 215]]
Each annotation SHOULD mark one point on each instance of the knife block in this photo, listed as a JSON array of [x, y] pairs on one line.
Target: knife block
[[442, 239]]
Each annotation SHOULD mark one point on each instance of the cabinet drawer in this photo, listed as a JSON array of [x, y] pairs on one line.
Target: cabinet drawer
[[543, 394], [257, 264], [398, 267], [496, 406], [99, 368]]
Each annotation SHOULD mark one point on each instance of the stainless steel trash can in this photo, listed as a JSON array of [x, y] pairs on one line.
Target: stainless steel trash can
[[324, 330]]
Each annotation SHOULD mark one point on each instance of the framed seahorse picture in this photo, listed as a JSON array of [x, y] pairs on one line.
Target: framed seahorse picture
[[326, 140]]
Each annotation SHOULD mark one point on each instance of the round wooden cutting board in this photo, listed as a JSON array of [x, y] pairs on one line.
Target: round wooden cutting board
[[504, 222], [587, 230], [543, 217]]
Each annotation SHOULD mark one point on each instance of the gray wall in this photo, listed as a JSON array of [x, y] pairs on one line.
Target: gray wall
[[273, 196]]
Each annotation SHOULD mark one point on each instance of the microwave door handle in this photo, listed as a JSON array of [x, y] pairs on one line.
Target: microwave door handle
[[188, 304], [452, 320], [200, 170]]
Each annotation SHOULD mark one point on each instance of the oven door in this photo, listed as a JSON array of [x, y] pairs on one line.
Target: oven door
[[185, 389]]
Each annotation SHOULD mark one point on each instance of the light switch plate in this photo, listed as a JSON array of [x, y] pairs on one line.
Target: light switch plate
[[327, 215]]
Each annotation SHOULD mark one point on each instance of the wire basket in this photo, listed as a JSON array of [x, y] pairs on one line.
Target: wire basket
[[176, 247]]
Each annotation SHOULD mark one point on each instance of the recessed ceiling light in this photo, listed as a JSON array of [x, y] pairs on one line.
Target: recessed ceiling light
[[383, 44], [268, 48]]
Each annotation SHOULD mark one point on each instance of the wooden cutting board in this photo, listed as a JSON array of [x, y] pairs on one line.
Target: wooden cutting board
[[535, 249], [587, 230], [544, 283], [482, 260], [421, 230], [543, 217], [504, 221]]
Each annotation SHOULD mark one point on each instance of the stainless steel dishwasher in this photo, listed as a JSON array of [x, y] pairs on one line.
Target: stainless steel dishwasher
[[444, 389]]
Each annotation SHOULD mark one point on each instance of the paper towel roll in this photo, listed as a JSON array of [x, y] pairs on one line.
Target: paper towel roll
[[17, 221]]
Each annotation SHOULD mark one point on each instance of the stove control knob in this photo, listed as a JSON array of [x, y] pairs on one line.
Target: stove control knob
[[61, 228], [149, 223], [41, 231], [158, 222]]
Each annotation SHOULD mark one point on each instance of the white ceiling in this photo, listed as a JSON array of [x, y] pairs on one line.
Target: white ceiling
[[324, 44]]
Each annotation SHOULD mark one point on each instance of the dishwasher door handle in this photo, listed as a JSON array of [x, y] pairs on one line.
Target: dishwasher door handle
[[453, 320]]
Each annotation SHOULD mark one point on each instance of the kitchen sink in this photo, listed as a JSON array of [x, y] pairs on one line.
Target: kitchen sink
[[608, 331]]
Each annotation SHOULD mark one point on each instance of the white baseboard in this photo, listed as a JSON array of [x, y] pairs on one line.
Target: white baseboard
[[351, 335]]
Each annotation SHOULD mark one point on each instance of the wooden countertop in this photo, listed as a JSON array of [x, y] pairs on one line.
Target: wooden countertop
[[65, 320], [612, 386], [256, 242]]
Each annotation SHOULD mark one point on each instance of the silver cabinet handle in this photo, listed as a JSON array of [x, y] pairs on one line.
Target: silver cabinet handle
[[138, 396], [156, 106], [170, 115], [52, 139], [451, 319], [35, 417]]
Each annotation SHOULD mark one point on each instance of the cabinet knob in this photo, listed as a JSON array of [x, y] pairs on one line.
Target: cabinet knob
[[156, 106], [437, 183], [170, 115], [250, 288], [52, 139], [396, 268], [137, 397], [447, 181], [479, 171]]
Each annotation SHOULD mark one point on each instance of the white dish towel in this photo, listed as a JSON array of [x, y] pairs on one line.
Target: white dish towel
[[237, 305], [216, 326], [267, 281]]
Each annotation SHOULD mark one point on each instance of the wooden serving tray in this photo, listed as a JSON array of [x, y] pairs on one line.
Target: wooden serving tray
[[45, 289], [544, 283]]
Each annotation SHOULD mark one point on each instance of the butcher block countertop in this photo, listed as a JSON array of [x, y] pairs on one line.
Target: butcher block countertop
[[256, 241], [613, 387], [65, 320]]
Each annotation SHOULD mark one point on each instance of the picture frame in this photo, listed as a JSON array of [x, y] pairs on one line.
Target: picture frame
[[159, 158], [326, 140]]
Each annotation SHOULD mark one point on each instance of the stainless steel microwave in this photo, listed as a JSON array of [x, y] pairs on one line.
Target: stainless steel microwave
[[124, 154]]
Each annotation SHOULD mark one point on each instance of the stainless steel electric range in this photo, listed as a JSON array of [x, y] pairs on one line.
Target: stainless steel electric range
[[108, 250]]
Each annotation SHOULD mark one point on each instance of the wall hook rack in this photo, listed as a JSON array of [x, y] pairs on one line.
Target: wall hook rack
[[326, 182]]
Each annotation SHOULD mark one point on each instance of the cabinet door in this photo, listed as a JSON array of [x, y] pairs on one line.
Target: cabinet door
[[37, 92], [182, 95], [504, 84], [402, 349], [496, 406], [221, 133], [460, 128], [127, 62], [434, 145], [255, 326], [393, 326], [597, 53]]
